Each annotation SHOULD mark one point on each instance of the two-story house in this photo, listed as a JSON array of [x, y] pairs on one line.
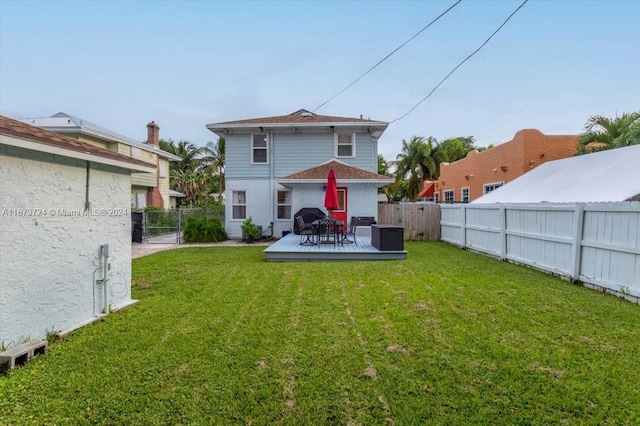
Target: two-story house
[[276, 166], [147, 189]]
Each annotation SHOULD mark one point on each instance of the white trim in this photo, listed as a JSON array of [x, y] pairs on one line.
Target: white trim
[[336, 139], [87, 156], [222, 126], [266, 147], [447, 192], [462, 194], [290, 204], [496, 185], [109, 138], [231, 218]]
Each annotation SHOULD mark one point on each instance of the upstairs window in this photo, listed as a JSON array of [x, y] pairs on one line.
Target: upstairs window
[[345, 145], [259, 149], [492, 186], [239, 205]]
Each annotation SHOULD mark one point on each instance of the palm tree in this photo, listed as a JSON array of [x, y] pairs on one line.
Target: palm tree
[[415, 163], [602, 133], [189, 153], [214, 161], [451, 150]]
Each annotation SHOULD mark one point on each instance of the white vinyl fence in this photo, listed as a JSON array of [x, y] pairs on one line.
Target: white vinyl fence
[[596, 243]]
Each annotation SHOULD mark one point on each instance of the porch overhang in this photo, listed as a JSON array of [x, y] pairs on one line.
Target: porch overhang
[[376, 183]]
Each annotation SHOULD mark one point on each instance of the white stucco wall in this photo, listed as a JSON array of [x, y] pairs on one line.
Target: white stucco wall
[[259, 201], [49, 251]]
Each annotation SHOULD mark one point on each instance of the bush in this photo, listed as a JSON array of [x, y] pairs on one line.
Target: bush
[[202, 230]]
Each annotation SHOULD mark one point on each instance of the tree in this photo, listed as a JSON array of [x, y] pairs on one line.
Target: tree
[[451, 150], [415, 163], [602, 133], [214, 161], [189, 153], [383, 166]]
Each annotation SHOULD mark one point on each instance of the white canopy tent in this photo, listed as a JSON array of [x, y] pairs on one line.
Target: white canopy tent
[[606, 176]]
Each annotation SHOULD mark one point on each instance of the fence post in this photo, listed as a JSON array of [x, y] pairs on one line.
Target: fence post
[[578, 221], [463, 225], [503, 232], [179, 226]]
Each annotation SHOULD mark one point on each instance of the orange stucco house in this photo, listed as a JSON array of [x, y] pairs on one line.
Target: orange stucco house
[[482, 172]]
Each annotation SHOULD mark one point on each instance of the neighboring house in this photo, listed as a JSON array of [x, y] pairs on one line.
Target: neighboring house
[[147, 189], [612, 175], [64, 216], [481, 172], [427, 191], [174, 198], [276, 166]]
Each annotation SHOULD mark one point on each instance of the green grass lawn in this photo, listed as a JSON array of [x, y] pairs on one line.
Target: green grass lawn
[[444, 337]]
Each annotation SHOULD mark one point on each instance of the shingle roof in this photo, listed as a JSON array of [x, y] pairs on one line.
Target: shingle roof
[[298, 117], [22, 130], [343, 172]]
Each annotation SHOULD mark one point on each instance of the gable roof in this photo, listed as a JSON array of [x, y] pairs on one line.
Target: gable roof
[[67, 123], [344, 174], [612, 175], [299, 119], [22, 135]]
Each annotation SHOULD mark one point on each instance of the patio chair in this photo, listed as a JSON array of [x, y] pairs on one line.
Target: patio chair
[[349, 233], [307, 233], [326, 231]]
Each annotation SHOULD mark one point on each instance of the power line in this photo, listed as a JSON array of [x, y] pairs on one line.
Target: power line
[[386, 57], [460, 64]]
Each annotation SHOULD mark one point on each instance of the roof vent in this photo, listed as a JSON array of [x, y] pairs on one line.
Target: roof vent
[[306, 114]]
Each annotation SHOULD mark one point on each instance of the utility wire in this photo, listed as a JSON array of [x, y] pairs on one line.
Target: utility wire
[[460, 64], [386, 57]]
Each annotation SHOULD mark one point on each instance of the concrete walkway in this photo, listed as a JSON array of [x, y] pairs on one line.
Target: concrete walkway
[[140, 250]]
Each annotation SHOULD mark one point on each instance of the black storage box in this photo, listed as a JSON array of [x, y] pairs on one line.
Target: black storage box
[[387, 237]]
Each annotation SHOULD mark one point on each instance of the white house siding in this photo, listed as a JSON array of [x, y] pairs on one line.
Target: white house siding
[[48, 254]]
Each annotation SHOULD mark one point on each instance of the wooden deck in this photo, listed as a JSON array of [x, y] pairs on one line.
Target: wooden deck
[[288, 249]]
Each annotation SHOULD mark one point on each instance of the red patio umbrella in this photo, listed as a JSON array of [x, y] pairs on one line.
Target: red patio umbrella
[[331, 194]]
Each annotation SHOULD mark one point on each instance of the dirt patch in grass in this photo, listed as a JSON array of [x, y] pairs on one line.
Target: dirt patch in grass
[[398, 349]]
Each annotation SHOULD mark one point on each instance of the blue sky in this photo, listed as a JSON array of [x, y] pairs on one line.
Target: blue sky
[[186, 64]]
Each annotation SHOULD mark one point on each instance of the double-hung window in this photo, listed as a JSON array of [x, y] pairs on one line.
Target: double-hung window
[[284, 204], [345, 145], [449, 196], [239, 205], [259, 149], [492, 186], [465, 195]]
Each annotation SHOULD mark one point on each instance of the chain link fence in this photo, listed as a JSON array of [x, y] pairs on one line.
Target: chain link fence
[[161, 226]]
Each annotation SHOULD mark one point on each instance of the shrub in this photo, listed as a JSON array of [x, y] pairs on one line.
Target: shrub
[[202, 230], [250, 230]]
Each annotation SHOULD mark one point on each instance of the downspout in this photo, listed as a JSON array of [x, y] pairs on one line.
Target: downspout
[[104, 251], [87, 204], [271, 179]]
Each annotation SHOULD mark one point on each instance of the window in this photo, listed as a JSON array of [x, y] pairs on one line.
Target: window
[[259, 149], [164, 168], [449, 196], [492, 186], [345, 144], [284, 205], [239, 205], [465, 195], [436, 197]]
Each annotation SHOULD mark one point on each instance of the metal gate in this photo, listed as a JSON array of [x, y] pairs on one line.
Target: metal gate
[[165, 226], [161, 227]]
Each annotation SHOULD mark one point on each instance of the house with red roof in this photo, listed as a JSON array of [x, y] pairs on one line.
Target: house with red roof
[[276, 166]]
